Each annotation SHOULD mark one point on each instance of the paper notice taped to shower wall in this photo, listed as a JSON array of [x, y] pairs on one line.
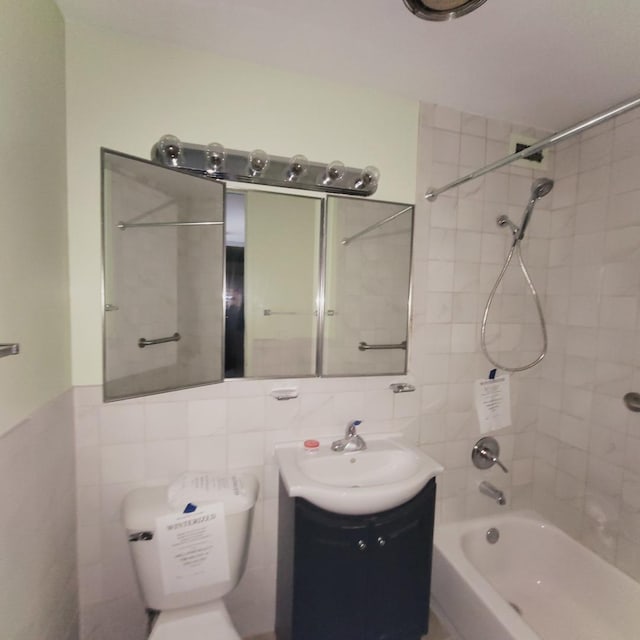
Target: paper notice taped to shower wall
[[493, 403]]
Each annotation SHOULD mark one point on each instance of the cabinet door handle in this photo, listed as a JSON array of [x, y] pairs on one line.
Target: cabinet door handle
[[381, 541], [362, 545]]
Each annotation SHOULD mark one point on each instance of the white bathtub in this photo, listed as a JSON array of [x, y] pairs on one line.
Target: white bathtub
[[562, 590]]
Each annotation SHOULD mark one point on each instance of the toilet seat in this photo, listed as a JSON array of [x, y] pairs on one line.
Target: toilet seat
[[208, 621]]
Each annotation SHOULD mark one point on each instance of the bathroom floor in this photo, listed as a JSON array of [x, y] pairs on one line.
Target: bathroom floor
[[436, 632]]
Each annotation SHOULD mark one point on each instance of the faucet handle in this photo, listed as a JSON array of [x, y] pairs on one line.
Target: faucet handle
[[351, 427], [494, 460], [486, 453]]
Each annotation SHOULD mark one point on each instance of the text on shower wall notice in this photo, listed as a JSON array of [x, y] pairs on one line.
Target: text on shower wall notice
[[193, 548], [493, 403]]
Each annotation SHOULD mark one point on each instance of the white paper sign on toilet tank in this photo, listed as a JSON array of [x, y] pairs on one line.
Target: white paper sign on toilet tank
[[193, 548]]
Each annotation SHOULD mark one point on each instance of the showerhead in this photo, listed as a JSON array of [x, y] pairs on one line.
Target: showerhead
[[540, 188]]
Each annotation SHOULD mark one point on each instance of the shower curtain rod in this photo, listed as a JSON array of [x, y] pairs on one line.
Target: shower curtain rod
[[432, 193], [393, 216]]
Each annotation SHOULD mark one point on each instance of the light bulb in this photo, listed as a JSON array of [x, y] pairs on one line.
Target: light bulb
[[171, 150], [333, 172], [297, 167], [258, 161], [215, 157], [368, 178]]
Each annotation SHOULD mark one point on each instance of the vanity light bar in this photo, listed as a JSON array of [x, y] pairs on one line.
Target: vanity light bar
[[215, 161]]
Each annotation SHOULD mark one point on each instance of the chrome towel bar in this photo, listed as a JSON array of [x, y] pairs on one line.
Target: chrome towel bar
[[11, 349], [271, 312], [130, 225], [363, 346], [143, 342]]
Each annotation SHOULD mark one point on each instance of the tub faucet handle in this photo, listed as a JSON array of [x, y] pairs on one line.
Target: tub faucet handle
[[495, 460], [486, 453]]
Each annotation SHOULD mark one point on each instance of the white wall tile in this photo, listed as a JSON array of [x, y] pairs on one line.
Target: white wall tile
[[121, 423], [245, 414], [207, 453], [122, 463], [165, 460], [206, 417], [245, 450], [165, 420]]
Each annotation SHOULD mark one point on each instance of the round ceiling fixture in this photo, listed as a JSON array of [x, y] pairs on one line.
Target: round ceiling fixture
[[440, 10]]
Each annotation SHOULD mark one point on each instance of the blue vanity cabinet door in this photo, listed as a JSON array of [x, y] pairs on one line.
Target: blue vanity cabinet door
[[331, 568], [399, 578], [354, 577]]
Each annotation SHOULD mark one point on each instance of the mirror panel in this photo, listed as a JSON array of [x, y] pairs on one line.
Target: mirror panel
[[163, 244], [300, 301], [367, 287], [272, 284]]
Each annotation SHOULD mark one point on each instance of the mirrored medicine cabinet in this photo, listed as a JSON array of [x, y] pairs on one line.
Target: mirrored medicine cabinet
[[205, 280]]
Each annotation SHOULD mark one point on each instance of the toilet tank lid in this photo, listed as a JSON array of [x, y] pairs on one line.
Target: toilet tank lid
[[141, 507]]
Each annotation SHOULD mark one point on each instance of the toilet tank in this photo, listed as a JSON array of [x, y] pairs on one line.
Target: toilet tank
[[152, 557]]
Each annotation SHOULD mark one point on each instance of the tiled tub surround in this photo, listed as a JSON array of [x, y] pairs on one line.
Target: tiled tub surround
[[459, 253], [587, 458], [577, 447]]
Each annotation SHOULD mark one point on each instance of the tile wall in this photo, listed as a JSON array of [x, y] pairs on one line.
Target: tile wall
[[457, 255], [231, 426], [38, 567], [587, 458]]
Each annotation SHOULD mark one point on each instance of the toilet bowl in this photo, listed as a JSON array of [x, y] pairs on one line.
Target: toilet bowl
[[188, 554]]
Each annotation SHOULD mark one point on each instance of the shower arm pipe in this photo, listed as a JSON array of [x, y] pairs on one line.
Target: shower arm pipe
[[554, 138], [393, 216]]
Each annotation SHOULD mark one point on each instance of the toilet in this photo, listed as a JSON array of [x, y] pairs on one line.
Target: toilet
[[190, 549]]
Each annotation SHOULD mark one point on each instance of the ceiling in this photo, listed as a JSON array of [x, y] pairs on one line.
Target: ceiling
[[548, 63]]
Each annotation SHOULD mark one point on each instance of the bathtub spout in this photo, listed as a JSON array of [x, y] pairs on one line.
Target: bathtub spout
[[493, 492]]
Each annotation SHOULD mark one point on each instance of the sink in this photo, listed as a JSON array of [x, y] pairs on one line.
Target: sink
[[384, 475]]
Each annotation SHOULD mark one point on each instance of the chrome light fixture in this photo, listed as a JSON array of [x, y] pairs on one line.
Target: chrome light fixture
[[297, 167], [441, 10], [215, 157], [333, 172], [170, 150], [369, 176], [258, 161], [217, 162]]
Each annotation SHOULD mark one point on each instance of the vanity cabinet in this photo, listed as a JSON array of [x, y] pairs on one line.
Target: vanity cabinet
[[354, 577]]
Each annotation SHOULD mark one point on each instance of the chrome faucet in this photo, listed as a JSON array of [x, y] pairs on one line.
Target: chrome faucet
[[351, 441], [493, 492]]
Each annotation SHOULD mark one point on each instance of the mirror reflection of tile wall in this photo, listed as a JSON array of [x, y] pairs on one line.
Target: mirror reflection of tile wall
[[163, 274], [143, 288], [367, 298]]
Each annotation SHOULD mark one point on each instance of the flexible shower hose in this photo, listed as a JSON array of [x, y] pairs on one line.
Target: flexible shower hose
[[515, 248]]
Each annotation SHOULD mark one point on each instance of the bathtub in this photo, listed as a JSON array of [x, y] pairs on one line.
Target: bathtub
[[534, 583]]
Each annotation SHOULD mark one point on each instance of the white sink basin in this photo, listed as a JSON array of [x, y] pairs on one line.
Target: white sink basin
[[384, 475]]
